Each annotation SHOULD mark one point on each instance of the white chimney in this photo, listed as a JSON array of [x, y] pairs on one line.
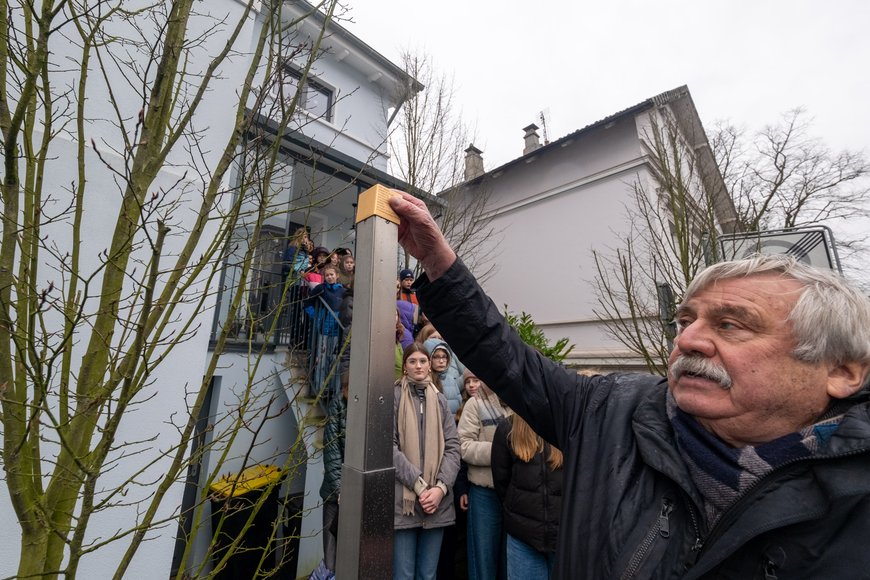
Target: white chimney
[[533, 141], [473, 162]]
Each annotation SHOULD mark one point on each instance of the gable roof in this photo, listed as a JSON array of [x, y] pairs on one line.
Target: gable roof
[[680, 101], [657, 100]]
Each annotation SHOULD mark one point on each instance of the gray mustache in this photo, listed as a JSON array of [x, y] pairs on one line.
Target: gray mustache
[[701, 367]]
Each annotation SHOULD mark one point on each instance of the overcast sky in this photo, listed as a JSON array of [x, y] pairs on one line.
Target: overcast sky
[[748, 61]]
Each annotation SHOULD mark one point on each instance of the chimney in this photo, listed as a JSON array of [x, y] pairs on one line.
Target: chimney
[[533, 141], [473, 162]]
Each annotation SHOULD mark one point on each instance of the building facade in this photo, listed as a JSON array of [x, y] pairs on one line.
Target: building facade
[[258, 406], [560, 203]]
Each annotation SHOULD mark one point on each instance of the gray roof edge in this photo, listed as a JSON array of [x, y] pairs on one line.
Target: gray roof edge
[[372, 54], [660, 99]]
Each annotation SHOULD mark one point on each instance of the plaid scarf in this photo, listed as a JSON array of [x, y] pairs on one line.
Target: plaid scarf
[[723, 473]]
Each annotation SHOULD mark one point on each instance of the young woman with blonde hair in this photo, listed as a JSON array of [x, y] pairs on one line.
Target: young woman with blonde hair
[[527, 474]]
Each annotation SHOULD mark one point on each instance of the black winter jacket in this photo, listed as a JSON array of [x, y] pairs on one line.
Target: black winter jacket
[[333, 448], [530, 493], [631, 509]]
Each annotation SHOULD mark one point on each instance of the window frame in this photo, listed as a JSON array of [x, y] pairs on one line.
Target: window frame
[[312, 85]]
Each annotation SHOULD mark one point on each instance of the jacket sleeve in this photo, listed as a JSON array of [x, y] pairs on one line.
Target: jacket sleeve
[[460, 487], [450, 462], [313, 294], [474, 452], [550, 397], [502, 460]]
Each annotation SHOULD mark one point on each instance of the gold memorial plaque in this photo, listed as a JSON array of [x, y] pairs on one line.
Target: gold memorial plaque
[[374, 201]]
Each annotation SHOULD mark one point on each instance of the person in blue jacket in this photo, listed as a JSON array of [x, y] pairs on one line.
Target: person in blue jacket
[[324, 306], [448, 371]]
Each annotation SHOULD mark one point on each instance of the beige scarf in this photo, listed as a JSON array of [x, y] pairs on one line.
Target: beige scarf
[[409, 436]]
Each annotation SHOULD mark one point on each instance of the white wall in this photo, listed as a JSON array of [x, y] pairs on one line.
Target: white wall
[[160, 407], [283, 429], [152, 424], [552, 213]]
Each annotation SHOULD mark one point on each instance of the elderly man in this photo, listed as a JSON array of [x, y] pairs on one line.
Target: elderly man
[[752, 460]]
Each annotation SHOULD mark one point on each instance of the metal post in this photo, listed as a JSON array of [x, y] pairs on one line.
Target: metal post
[[667, 308], [365, 529]]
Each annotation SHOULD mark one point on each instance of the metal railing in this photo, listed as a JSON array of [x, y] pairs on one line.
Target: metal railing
[[279, 317], [326, 351]]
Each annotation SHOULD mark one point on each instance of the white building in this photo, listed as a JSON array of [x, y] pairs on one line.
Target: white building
[[337, 152], [559, 201], [335, 149]]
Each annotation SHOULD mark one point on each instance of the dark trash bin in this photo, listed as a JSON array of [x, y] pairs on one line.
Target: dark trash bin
[[233, 498]]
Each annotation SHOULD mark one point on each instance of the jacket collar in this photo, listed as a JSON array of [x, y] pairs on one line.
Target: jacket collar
[[657, 443]]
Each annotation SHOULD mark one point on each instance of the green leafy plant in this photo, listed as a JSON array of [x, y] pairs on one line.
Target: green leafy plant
[[533, 336]]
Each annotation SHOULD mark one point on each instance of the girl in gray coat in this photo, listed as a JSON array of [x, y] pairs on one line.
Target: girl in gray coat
[[426, 458]]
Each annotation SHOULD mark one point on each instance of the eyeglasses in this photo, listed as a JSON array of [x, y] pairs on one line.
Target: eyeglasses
[[440, 357]]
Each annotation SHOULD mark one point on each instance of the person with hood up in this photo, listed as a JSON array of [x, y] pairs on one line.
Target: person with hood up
[[447, 372]]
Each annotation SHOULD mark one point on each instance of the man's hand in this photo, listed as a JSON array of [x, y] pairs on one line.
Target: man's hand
[[463, 502], [430, 499], [421, 236]]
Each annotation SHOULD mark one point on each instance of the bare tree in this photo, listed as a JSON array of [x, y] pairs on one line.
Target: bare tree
[[783, 176], [673, 224], [119, 91], [427, 146]]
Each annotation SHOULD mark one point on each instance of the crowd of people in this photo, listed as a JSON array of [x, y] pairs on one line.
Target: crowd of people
[[448, 506], [320, 294], [310, 263], [459, 513]]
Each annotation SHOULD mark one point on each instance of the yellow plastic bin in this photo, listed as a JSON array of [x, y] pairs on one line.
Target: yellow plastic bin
[[233, 498]]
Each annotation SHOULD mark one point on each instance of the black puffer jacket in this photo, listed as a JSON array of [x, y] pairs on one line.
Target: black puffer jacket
[[631, 508], [530, 493], [333, 448]]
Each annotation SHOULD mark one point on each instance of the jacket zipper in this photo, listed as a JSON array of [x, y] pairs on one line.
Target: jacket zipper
[[699, 543], [770, 570], [661, 527]]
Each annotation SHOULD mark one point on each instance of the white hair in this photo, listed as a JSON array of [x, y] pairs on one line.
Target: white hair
[[831, 319]]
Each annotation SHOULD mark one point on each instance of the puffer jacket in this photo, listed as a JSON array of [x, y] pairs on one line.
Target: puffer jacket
[[408, 314], [407, 473], [333, 448], [480, 417], [632, 509], [530, 493], [451, 377]]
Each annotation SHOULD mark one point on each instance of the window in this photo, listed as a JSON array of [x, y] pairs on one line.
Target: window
[[316, 97]]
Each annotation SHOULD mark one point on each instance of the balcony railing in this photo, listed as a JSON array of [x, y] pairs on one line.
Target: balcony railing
[[290, 319]]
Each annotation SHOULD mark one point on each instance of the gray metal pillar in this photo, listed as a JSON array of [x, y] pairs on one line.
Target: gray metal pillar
[[365, 529]]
